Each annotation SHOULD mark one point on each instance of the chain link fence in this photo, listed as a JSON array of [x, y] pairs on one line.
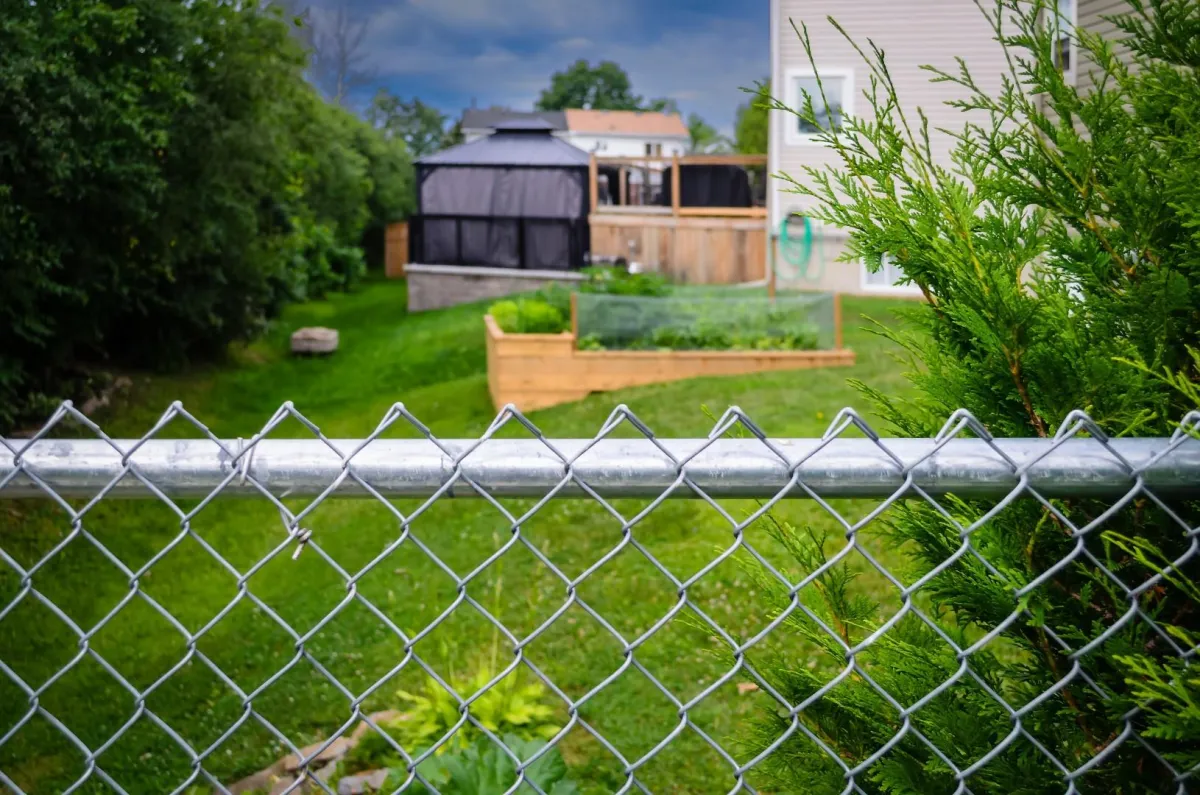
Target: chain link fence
[[804, 726]]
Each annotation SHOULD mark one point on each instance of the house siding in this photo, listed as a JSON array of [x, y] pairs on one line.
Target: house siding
[[911, 33], [1090, 16], [626, 145]]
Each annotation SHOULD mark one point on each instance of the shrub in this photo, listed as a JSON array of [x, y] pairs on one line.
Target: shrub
[[319, 264], [147, 204], [1060, 258]]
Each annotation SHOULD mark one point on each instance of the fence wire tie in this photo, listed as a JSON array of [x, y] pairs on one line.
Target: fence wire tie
[[302, 537], [301, 534], [246, 457]]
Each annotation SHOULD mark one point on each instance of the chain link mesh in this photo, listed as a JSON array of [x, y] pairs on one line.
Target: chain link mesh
[[791, 716]]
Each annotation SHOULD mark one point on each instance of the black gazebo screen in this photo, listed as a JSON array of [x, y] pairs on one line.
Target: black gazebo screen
[[709, 186], [516, 199]]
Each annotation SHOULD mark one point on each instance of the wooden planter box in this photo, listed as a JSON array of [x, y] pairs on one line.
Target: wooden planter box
[[533, 371]]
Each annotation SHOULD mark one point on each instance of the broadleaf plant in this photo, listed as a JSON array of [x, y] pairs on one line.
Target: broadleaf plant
[[511, 706], [484, 768]]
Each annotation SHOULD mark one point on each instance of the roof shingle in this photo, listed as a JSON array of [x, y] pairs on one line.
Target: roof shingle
[[488, 118], [625, 122]]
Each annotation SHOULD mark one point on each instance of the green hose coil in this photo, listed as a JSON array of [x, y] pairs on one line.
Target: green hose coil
[[799, 253]]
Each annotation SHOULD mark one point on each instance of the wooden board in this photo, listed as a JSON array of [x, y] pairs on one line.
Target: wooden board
[[533, 371], [687, 250], [395, 250]]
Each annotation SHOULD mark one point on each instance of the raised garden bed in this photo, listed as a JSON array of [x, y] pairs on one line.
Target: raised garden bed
[[533, 371]]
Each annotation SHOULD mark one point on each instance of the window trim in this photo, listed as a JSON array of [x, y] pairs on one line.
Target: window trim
[[883, 289], [793, 136], [1071, 72]]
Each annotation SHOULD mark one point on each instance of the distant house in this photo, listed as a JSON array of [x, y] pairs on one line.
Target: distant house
[[615, 133], [627, 133], [912, 33], [605, 133], [481, 122]]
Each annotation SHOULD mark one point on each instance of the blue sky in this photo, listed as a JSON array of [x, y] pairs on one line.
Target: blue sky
[[502, 52]]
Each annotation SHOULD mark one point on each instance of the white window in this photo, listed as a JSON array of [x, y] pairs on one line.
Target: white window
[[1063, 22], [838, 85], [887, 278]]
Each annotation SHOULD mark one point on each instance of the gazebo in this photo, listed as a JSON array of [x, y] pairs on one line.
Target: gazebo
[[515, 199]]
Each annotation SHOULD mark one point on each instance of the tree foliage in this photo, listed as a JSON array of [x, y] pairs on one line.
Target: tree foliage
[[422, 127], [167, 180], [1059, 250], [751, 122], [703, 137], [663, 105], [605, 86]]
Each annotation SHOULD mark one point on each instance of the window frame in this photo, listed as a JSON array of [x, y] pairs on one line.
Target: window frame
[[1069, 35], [792, 134], [884, 289]]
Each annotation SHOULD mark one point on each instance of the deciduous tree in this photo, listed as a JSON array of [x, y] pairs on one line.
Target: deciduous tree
[[605, 86], [704, 137], [750, 125], [421, 127]]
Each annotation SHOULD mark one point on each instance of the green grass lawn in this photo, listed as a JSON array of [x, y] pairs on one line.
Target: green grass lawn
[[435, 364]]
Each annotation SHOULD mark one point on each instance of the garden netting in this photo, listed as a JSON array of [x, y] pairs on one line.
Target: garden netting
[[708, 322]]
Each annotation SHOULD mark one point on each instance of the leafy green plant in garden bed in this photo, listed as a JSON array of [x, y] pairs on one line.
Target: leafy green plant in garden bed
[[548, 311], [708, 337], [483, 768], [528, 316], [617, 281], [702, 323]]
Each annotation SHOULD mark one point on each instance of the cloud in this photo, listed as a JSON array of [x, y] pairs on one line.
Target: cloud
[[503, 52], [507, 16]]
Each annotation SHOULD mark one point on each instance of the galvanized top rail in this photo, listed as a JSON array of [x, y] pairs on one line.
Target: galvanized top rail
[[735, 460], [731, 468]]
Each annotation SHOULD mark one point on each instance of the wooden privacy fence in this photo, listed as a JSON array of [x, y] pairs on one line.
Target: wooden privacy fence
[[395, 250], [687, 244], [687, 250]]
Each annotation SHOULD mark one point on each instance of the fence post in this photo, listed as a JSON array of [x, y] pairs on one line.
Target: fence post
[[593, 183], [771, 264], [837, 321], [675, 201], [395, 249], [575, 315]]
